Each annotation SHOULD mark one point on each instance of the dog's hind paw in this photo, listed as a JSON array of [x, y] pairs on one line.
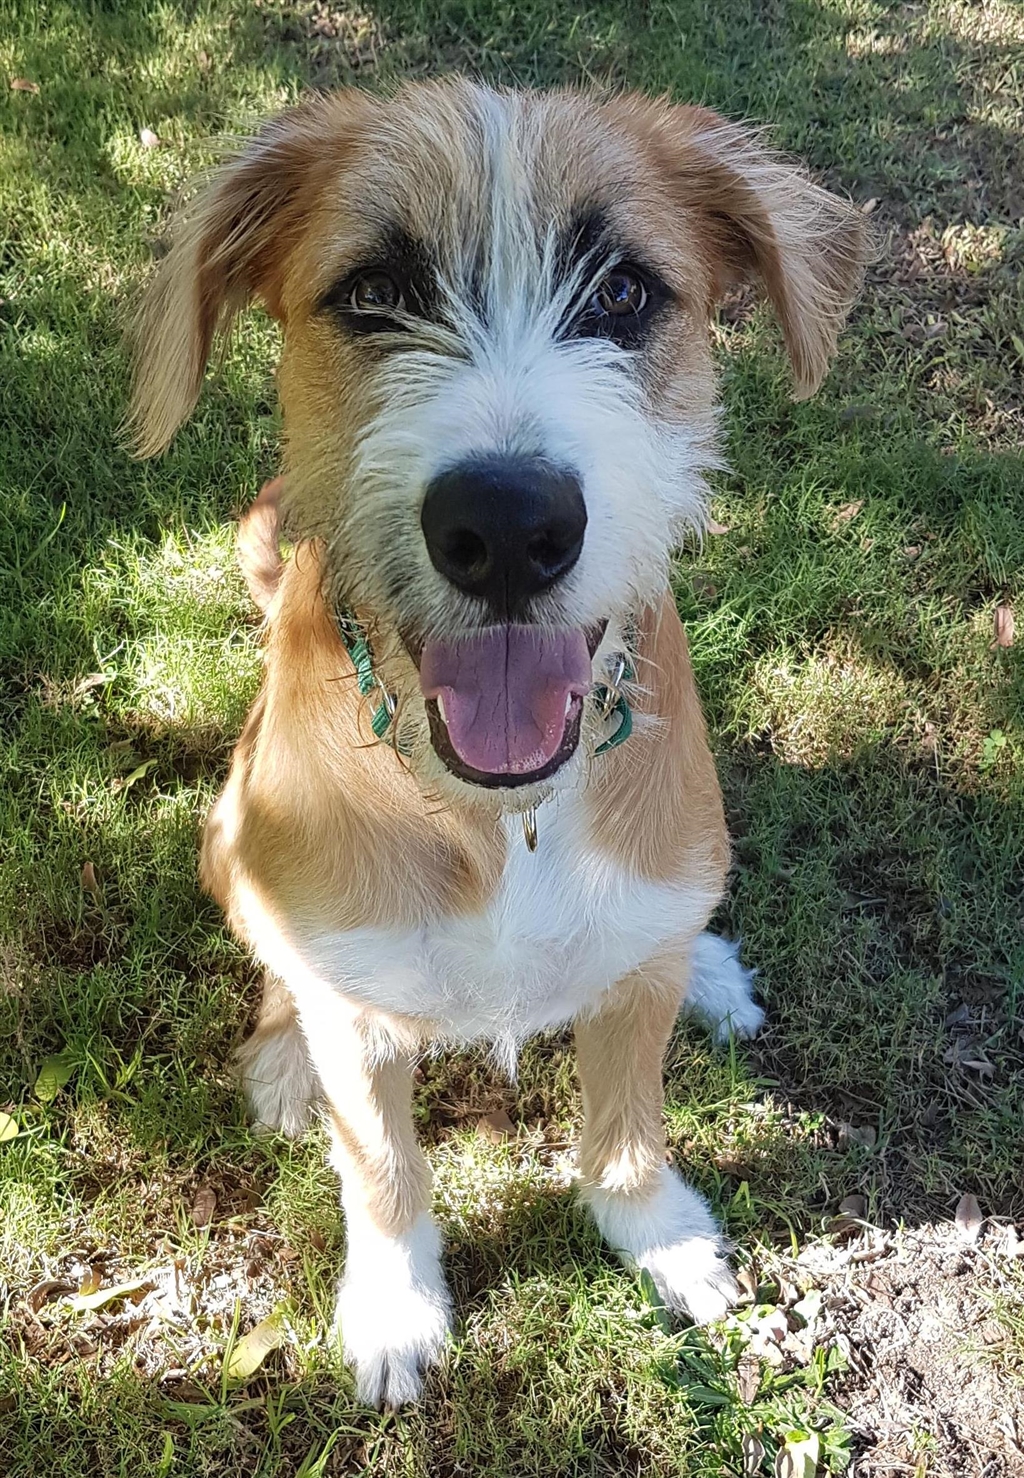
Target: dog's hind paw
[[720, 990]]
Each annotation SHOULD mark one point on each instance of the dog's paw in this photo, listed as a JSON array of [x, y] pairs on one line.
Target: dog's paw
[[670, 1232], [692, 1276], [393, 1313], [720, 991]]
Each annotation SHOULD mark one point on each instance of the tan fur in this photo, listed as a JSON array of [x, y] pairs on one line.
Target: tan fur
[[619, 1051], [335, 830], [761, 216], [258, 544], [656, 803], [234, 246], [382, 1167]]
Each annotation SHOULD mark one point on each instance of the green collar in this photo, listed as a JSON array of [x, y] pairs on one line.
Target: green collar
[[357, 645], [609, 697]]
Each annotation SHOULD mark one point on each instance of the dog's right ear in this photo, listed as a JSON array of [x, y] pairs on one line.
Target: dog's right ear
[[232, 247]]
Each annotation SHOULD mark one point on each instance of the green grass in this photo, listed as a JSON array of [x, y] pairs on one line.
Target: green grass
[[870, 741]]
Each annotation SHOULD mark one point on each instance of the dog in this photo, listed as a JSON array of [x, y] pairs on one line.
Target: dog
[[474, 799]]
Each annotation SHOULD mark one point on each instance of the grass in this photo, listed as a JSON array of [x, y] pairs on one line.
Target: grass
[[870, 739]]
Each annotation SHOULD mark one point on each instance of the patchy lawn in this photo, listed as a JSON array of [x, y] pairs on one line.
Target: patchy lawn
[[869, 730]]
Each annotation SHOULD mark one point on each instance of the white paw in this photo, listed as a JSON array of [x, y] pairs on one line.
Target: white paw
[[692, 1275], [671, 1233], [720, 992], [393, 1312]]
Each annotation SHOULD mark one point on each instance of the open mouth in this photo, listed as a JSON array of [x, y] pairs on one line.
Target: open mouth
[[505, 703]]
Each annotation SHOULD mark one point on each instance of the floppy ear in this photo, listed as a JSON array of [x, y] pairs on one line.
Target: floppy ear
[[767, 219], [233, 246]]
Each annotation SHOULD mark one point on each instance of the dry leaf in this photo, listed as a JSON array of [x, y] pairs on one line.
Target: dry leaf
[[1004, 624], [1011, 1245], [748, 1378], [92, 1282], [798, 1456], [148, 139], [746, 1281], [711, 527], [864, 1134], [846, 514], [22, 84], [249, 1353], [852, 1211], [89, 882], [204, 1205], [969, 1218], [8, 1128], [49, 1288], [496, 1127], [912, 551], [869, 206], [752, 1449], [103, 1296]]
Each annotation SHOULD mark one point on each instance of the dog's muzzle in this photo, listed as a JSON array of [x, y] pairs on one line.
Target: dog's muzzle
[[505, 702]]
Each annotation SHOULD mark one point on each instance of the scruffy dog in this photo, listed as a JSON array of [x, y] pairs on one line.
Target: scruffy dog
[[474, 799]]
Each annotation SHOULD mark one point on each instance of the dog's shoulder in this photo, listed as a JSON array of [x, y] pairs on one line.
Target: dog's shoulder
[[656, 804]]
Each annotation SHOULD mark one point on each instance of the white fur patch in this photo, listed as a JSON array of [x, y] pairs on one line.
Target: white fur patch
[[393, 1311], [565, 924], [669, 1231], [720, 992]]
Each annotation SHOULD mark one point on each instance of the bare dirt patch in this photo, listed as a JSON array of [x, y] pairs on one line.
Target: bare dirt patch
[[930, 1385]]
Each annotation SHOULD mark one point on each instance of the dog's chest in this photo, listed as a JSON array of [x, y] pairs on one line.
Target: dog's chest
[[565, 923]]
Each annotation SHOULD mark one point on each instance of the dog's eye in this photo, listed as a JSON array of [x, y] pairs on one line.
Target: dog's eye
[[622, 293], [376, 292]]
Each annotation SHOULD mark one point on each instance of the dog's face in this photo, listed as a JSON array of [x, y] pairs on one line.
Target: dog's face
[[496, 381]]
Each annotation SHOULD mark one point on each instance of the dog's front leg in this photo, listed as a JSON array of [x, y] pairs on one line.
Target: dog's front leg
[[643, 1208], [394, 1310]]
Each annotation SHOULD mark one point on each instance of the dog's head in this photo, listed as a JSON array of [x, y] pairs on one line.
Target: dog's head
[[496, 381]]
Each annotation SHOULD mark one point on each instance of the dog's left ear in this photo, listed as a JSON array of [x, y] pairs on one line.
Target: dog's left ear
[[764, 217]]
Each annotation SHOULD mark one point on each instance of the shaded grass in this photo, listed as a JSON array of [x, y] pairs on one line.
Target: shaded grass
[[870, 744]]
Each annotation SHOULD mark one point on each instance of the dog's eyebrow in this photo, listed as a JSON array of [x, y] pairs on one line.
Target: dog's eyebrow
[[592, 241], [404, 257], [587, 235], [593, 238]]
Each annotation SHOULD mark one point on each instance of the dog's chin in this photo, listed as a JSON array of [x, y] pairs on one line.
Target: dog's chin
[[517, 780]]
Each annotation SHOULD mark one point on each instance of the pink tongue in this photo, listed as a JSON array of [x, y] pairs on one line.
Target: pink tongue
[[504, 693]]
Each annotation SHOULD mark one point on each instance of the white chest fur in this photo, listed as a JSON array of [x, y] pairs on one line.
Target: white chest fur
[[565, 923]]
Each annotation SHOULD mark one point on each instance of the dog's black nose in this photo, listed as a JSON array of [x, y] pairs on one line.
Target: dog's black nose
[[504, 528]]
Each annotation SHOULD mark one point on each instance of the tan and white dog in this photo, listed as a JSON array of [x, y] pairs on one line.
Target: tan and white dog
[[499, 408]]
